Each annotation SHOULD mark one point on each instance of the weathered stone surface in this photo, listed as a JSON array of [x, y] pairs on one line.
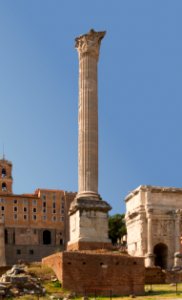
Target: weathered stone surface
[[154, 225]]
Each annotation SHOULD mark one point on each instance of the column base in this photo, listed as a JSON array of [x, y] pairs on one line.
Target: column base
[[149, 260], [177, 260], [88, 195]]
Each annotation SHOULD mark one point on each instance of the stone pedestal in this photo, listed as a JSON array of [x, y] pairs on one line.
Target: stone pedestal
[[88, 213], [89, 224]]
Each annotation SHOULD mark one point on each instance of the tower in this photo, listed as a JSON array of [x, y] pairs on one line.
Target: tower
[[88, 212], [6, 179]]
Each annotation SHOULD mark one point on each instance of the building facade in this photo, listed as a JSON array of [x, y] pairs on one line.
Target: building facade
[[154, 225], [31, 225]]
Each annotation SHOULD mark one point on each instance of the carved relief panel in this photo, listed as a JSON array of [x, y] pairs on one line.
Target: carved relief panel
[[163, 228]]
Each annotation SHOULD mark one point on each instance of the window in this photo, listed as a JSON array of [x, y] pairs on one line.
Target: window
[[2, 207], [34, 217], [46, 237], [54, 218], [53, 211], [15, 201], [34, 202], [31, 251], [18, 251], [15, 208], [54, 197], [62, 211], [62, 206], [44, 204], [25, 201], [25, 209], [44, 210], [25, 217], [1, 200], [62, 219], [34, 210], [3, 173], [34, 231], [15, 217], [44, 197], [4, 188], [61, 241], [44, 218], [54, 205]]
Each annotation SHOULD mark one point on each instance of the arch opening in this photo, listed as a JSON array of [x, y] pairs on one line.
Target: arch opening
[[161, 255]]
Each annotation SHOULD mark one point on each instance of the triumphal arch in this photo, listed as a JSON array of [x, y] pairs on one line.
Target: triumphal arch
[[154, 225]]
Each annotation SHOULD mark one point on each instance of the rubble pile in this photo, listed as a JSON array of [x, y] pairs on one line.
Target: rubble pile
[[17, 282]]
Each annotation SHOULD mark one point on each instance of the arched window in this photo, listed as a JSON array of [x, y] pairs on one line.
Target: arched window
[[3, 173], [4, 188], [46, 237]]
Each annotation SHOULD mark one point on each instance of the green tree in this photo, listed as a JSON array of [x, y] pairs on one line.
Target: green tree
[[117, 227]]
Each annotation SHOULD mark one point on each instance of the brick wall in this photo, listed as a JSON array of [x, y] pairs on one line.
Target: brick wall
[[87, 271], [154, 275]]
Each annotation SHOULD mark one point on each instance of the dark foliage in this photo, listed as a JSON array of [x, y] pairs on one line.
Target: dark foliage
[[117, 227]]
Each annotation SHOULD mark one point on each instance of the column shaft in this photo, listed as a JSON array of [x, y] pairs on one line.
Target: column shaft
[[177, 255], [88, 126]]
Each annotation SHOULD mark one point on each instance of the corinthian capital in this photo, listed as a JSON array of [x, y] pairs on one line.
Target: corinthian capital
[[89, 43]]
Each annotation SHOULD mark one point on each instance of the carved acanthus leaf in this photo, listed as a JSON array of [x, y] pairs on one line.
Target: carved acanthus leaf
[[90, 42]]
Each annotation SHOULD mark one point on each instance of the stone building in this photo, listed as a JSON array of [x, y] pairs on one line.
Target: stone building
[[31, 225], [154, 225]]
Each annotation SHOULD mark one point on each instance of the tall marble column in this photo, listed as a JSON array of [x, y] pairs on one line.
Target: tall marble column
[[88, 212], [88, 50]]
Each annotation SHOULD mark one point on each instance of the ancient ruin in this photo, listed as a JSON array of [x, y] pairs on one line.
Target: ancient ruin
[[154, 225], [88, 212], [92, 266]]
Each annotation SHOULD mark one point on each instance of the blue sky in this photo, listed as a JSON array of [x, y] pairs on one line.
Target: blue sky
[[140, 93]]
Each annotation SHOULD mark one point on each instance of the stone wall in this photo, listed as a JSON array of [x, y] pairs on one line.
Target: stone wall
[[86, 271], [27, 253]]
